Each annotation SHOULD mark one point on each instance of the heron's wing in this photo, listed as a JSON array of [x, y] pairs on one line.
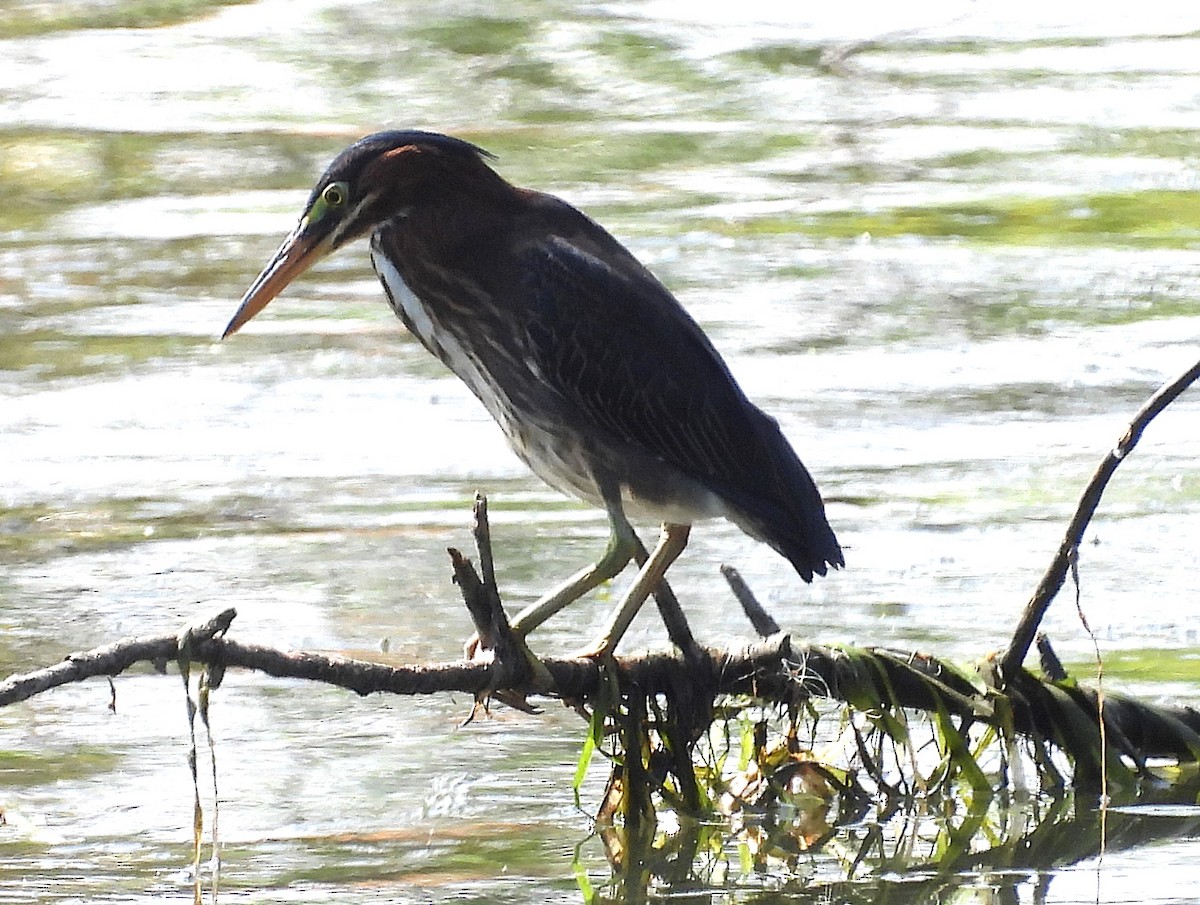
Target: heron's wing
[[634, 365]]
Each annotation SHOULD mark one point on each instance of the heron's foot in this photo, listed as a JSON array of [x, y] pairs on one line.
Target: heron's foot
[[540, 677], [471, 646], [597, 650]]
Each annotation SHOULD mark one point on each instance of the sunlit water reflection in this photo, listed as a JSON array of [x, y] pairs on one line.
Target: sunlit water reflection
[[951, 249]]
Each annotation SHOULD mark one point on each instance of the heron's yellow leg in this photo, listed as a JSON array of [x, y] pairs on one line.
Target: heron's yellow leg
[[623, 545], [670, 544]]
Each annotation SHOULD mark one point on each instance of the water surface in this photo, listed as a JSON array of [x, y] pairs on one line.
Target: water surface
[[952, 250]]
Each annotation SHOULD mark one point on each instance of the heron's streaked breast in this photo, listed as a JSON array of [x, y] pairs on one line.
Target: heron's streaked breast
[[414, 313], [562, 458], [442, 342]]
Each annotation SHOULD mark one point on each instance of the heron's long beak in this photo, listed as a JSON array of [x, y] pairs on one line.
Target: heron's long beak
[[299, 251]]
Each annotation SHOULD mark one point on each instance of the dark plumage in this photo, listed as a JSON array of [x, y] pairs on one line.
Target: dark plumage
[[600, 379]]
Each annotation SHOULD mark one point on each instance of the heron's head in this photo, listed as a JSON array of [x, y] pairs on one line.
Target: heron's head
[[376, 179]]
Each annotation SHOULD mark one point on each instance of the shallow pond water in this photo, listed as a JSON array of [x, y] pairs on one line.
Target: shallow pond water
[[952, 250]]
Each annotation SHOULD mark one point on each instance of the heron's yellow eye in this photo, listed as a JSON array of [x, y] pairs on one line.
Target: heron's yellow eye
[[330, 205], [334, 194]]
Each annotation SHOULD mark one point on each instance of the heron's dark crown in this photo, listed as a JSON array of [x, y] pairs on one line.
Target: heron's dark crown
[[349, 165], [395, 172]]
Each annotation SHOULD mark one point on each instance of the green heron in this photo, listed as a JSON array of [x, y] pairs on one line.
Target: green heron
[[601, 381]]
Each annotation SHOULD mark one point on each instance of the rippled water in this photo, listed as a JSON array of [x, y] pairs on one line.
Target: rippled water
[[952, 249]]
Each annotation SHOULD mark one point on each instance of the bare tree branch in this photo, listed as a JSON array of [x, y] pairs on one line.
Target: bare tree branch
[[1053, 580], [764, 623], [771, 669]]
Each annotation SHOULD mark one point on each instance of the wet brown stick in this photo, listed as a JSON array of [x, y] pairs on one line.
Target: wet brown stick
[[1068, 550], [771, 669], [479, 590], [513, 665], [764, 623]]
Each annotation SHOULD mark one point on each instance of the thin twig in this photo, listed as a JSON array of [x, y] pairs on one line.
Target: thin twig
[[482, 531], [476, 598], [1053, 580], [515, 669], [764, 623], [1052, 667]]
